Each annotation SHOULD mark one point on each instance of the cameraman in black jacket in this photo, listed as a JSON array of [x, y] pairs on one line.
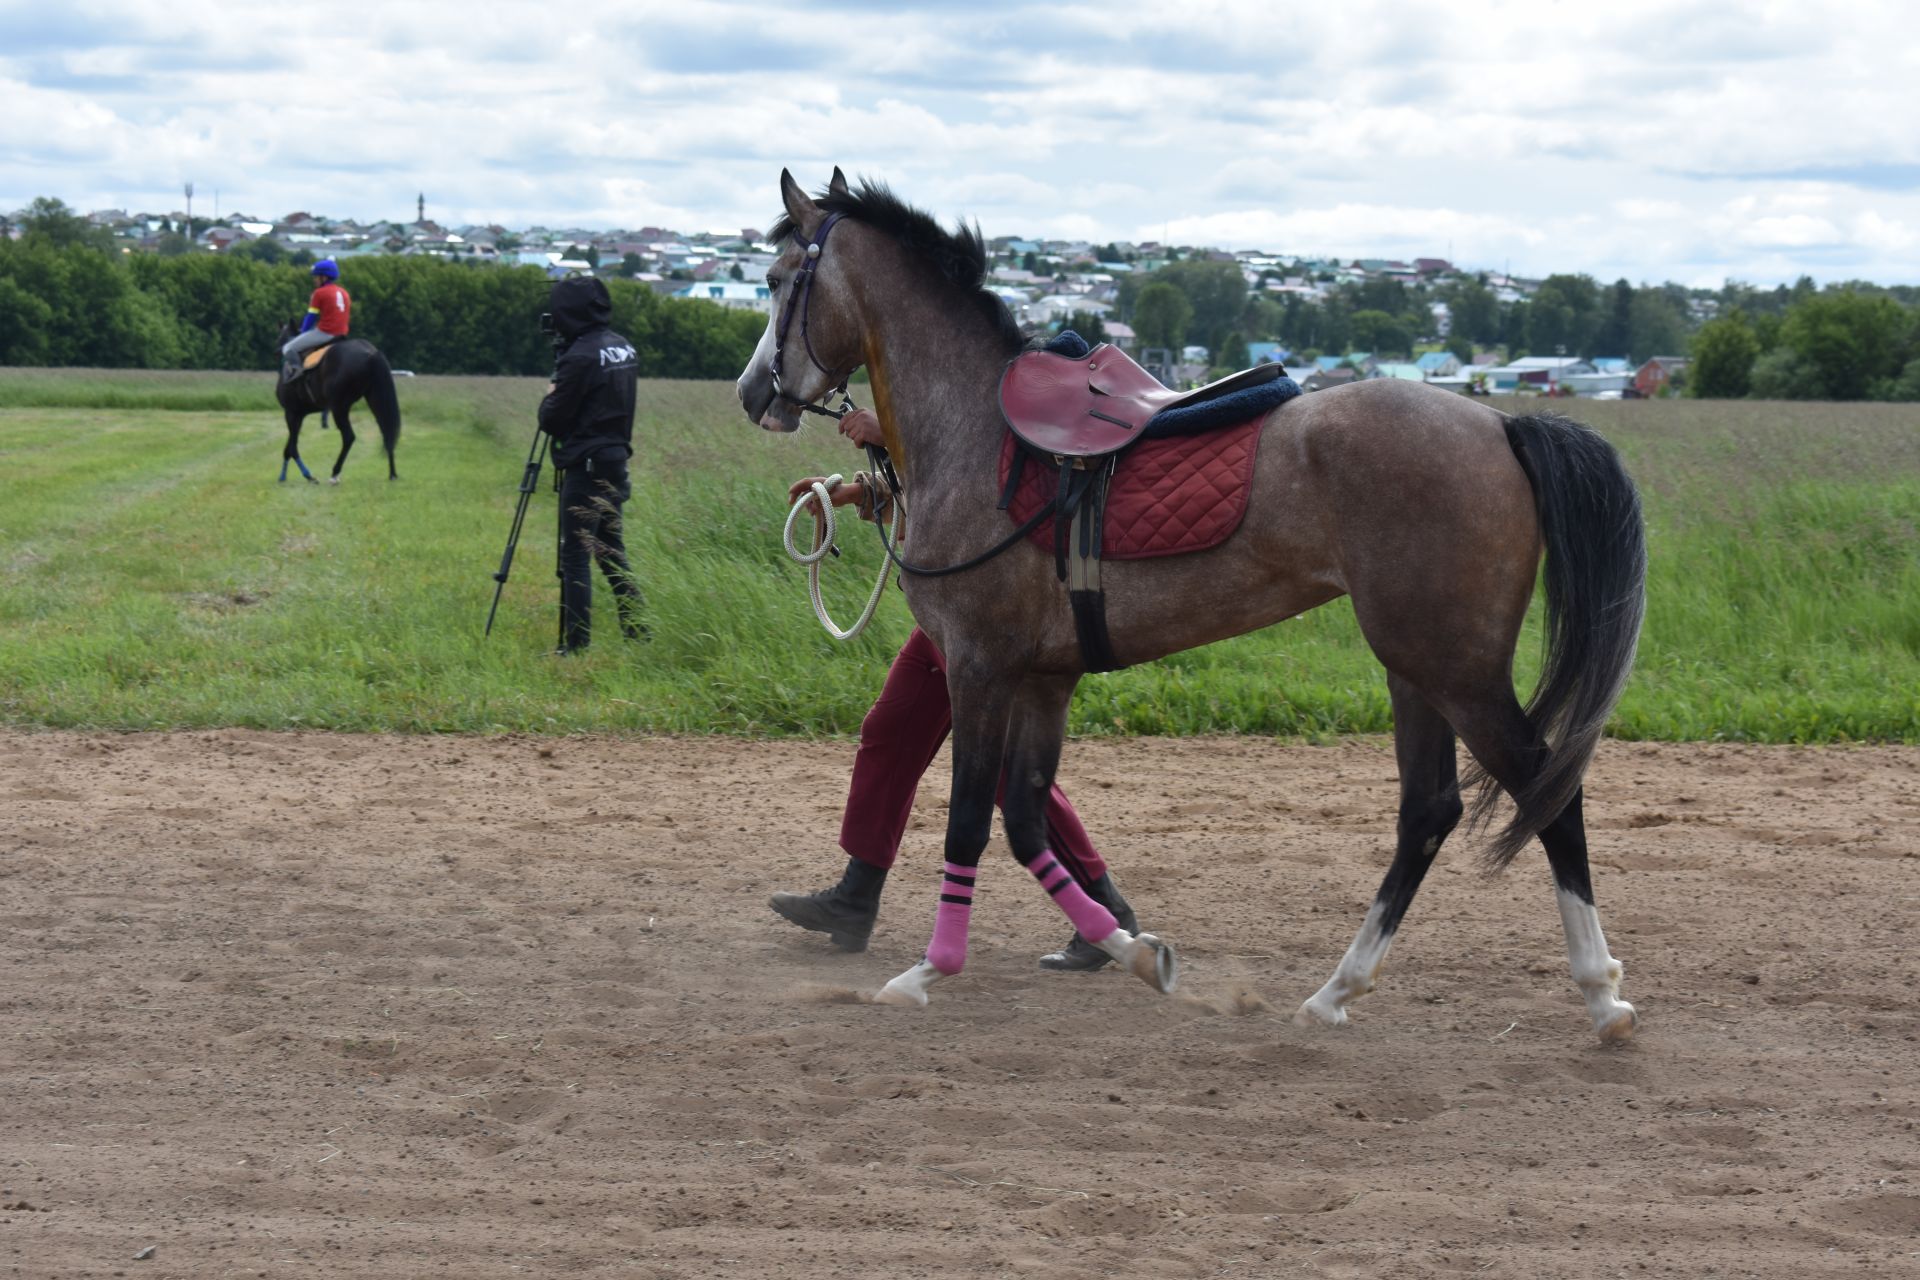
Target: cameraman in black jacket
[[589, 413]]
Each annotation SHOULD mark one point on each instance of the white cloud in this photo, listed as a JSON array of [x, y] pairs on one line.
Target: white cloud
[[1683, 139]]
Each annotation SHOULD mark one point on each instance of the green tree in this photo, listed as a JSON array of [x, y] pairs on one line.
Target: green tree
[[266, 249], [1232, 354], [1848, 341], [1161, 315], [1723, 354], [1655, 326], [1474, 310], [24, 320], [1907, 385], [1378, 331], [50, 219], [1780, 374], [1216, 291], [1088, 325], [1614, 337]]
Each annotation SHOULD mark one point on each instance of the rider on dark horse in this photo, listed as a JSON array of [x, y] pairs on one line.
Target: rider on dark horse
[[326, 319]]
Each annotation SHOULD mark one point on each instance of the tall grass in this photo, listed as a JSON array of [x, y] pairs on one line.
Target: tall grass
[[152, 574]]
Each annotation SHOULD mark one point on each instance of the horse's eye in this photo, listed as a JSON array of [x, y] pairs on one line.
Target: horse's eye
[[773, 282]]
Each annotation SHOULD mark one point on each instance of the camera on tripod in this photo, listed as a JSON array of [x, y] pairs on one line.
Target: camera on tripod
[[553, 334]]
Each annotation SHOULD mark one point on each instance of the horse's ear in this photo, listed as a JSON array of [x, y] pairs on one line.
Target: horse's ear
[[839, 184], [804, 212]]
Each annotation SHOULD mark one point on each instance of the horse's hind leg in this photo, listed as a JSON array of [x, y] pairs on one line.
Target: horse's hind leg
[[1039, 724], [345, 424], [1502, 739], [1429, 809]]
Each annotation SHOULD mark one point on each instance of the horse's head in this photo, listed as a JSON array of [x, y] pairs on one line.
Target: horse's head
[[287, 329], [812, 341]]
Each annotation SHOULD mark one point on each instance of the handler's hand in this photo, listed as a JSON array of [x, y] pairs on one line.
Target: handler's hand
[[862, 427], [844, 494]]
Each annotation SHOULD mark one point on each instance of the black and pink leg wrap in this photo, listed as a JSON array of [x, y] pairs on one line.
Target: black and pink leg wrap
[[1094, 921], [948, 950]]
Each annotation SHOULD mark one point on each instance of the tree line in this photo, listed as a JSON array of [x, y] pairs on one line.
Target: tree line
[[1852, 341], [69, 298]]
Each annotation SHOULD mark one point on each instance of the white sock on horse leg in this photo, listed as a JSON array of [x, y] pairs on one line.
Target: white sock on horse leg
[[1354, 976], [1597, 973]]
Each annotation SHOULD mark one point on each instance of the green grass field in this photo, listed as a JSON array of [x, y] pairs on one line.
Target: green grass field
[[153, 575]]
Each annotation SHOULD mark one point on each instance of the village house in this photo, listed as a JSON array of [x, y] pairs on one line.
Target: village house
[[738, 294], [1658, 374]]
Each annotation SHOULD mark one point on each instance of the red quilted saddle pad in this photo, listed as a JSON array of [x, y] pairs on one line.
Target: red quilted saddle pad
[[1168, 497]]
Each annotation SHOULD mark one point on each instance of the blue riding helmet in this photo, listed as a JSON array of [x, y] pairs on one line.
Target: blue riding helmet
[[328, 268]]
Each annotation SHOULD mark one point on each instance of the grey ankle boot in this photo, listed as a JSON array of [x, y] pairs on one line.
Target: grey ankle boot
[[845, 913]]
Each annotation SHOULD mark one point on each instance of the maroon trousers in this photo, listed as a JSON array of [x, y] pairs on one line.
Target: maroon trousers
[[899, 739]]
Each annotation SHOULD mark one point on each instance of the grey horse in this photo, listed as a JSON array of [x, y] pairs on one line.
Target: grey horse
[[1432, 512]]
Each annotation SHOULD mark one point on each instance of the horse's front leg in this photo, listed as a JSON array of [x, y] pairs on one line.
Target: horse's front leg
[[292, 452], [1038, 727], [981, 702], [345, 424]]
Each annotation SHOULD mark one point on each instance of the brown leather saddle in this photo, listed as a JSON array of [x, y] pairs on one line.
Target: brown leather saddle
[[1098, 404], [1081, 413], [315, 356]]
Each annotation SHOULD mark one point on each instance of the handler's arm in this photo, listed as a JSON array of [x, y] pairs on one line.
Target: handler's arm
[[562, 404]]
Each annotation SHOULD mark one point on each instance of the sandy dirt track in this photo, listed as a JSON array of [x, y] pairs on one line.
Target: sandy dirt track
[[309, 1005]]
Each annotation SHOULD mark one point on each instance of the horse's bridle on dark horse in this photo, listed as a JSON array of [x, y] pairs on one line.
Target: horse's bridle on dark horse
[[883, 472]]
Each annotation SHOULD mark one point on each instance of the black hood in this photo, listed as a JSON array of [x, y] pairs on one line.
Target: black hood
[[580, 304]]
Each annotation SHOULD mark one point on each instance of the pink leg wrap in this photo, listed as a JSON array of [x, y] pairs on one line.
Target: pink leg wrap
[[1093, 921], [948, 950]]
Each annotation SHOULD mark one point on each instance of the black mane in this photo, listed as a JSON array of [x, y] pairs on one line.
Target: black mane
[[958, 257]]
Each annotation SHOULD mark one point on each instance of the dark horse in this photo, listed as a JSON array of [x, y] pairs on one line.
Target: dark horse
[[1432, 512], [353, 369]]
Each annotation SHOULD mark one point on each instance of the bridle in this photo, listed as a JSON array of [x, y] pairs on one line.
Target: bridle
[[801, 296]]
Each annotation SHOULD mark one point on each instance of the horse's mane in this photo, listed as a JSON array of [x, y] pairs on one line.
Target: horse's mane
[[958, 257]]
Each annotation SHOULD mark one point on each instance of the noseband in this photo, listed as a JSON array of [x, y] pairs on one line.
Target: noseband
[[802, 296]]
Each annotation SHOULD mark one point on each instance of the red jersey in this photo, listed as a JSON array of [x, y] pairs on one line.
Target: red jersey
[[331, 303]]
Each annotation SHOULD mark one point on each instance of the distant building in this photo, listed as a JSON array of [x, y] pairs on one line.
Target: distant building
[[1397, 369], [1659, 373], [1438, 364], [739, 294], [1321, 379]]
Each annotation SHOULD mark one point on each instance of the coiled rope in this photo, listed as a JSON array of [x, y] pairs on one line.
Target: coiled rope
[[818, 499]]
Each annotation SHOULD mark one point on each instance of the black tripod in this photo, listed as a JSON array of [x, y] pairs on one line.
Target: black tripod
[[529, 481]]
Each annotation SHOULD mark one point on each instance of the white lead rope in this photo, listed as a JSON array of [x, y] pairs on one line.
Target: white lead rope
[[818, 496]]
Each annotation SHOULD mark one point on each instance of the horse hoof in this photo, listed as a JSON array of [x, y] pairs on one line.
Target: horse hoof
[[1155, 964], [1311, 1014], [909, 990], [1620, 1028], [333, 479]]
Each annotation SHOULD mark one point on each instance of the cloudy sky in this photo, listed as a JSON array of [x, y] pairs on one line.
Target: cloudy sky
[[1683, 140]]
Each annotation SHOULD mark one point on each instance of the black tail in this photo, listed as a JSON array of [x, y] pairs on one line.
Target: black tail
[[1596, 579], [382, 400]]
